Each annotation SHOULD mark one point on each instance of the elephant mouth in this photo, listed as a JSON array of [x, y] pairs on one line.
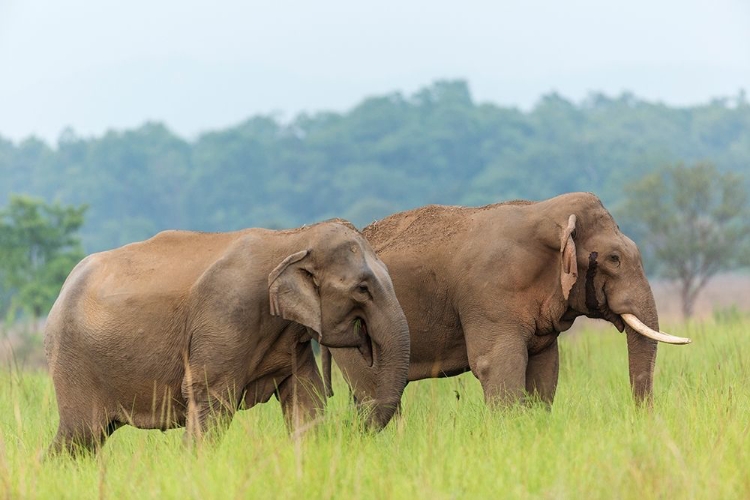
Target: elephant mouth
[[613, 318], [601, 309], [365, 346]]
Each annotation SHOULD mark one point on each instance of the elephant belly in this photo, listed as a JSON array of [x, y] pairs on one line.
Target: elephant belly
[[440, 356], [164, 409], [260, 391], [267, 374], [144, 391]]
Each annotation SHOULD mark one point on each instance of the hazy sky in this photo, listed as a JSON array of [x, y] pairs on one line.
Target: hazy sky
[[99, 64]]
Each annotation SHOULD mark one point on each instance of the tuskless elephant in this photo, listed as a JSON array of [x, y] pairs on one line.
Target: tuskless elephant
[[185, 328], [489, 289]]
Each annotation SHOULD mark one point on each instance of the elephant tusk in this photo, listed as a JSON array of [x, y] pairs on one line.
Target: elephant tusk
[[644, 330]]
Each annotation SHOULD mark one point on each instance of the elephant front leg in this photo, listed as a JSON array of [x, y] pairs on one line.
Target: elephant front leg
[[499, 360], [542, 373], [211, 404], [302, 395]]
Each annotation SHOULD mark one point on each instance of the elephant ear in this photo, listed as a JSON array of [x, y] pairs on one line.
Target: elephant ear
[[569, 267], [293, 291]]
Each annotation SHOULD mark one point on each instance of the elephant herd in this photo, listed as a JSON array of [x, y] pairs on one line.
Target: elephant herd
[[185, 328]]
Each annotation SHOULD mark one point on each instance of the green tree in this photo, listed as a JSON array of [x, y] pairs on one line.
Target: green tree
[[388, 153], [40, 246], [694, 221]]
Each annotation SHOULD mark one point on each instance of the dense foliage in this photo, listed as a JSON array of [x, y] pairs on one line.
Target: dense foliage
[[389, 153], [39, 245], [695, 222]]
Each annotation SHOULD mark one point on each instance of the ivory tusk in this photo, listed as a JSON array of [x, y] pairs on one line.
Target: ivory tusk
[[644, 330]]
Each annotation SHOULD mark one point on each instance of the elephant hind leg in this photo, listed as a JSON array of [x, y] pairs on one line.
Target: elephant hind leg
[[85, 422], [78, 434], [542, 373]]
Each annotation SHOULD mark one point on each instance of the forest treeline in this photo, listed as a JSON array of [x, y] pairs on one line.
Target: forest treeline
[[389, 153]]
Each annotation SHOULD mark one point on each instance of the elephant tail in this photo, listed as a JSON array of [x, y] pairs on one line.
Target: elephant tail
[[325, 355]]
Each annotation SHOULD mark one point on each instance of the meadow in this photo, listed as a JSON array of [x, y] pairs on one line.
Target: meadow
[[594, 443]]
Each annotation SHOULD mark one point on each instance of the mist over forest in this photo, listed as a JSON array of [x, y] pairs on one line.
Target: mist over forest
[[389, 153]]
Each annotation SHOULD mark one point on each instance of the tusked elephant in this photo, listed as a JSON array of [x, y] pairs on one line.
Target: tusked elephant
[[489, 289], [186, 327]]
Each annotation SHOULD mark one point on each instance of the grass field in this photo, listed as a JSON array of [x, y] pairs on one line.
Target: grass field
[[695, 443]]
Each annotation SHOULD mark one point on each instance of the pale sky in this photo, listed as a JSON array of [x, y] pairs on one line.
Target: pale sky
[[196, 66]]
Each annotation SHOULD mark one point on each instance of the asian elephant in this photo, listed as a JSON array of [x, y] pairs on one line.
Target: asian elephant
[[489, 289], [186, 327]]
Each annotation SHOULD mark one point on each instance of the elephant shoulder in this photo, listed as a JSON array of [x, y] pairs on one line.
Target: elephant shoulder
[[232, 291], [241, 266]]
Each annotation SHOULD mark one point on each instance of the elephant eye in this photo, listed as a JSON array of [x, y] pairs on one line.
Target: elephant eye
[[312, 278], [614, 258], [362, 289]]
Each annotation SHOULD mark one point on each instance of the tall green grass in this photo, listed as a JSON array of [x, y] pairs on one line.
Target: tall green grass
[[695, 443]]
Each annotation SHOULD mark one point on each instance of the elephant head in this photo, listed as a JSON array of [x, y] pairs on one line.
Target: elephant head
[[602, 276], [340, 289]]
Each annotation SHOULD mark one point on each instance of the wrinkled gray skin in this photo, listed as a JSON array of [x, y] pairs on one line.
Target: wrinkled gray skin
[[185, 328], [489, 289]]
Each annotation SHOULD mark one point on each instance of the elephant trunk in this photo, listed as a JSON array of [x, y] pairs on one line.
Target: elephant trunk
[[642, 356], [390, 335]]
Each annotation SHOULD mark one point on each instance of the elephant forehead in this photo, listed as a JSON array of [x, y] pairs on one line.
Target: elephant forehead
[[615, 242], [347, 254]]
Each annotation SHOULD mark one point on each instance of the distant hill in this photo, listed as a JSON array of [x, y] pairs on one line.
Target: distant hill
[[389, 153]]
